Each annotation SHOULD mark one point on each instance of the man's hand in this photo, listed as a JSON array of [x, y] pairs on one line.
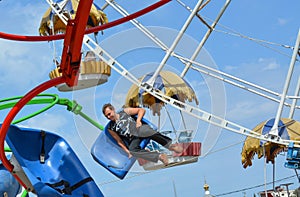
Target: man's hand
[[138, 124], [136, 111]]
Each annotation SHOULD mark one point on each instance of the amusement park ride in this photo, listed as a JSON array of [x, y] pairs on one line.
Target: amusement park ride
[[45, 164]]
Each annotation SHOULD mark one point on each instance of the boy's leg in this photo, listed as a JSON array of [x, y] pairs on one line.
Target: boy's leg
[[161, 139], [136, 151], [166, 142]]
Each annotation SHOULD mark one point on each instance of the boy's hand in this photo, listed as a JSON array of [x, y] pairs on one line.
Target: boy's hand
[[129, 155], [138, 124]]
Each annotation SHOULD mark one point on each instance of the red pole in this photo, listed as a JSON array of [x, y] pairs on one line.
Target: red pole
[[71, 55], [13, 112], [139, 13]]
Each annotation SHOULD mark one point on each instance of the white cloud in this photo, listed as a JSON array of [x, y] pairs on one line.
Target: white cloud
[[268, 63], [23, 65], [196, 84], [118, 100], [250, 110], [264, 72], [23, 18], [47, 121], [282, 21], [230, 68]]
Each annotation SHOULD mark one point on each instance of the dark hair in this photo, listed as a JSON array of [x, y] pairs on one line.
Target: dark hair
[[107, 105]]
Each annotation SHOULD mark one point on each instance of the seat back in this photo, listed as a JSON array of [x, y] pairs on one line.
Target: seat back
[[111, 156], [47, 159]]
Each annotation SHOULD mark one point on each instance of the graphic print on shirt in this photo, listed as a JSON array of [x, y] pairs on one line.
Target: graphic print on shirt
[[125, 125]]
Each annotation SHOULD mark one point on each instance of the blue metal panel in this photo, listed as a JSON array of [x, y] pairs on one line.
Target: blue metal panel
[[8, 184], [61, 162], [111, 156], [292, 157]]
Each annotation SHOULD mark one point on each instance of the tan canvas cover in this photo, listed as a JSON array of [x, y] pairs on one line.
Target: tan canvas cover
[[173, 85], [269, 150], [87, 67], [96, 17]]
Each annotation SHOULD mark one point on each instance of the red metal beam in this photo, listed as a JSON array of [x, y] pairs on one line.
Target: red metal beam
[[25, 38], [71, 55]]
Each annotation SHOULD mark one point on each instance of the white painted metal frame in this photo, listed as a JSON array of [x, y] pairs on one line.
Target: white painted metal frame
[[190, 63], [194, 111], [274, 130]]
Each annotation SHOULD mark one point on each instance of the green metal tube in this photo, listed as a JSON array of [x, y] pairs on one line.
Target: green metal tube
[[51, 101], [7, 149], [24, 194], [96, 124]]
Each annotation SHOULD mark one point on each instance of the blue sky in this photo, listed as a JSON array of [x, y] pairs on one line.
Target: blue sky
[[26, 65]]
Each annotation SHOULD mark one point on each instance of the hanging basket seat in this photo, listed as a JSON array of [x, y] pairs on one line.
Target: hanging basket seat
[[92, 73], [189, 155]]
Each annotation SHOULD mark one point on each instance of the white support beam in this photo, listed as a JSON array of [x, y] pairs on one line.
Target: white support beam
[[274, 130], [204, 39], [294, 103], [189, 62], [174, 44]]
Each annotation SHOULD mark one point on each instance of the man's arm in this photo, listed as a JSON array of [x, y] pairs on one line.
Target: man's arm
[[140, 112], [120, 142]]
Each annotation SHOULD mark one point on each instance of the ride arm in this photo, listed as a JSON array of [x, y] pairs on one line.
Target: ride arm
[[7, 149], [53, 99], [74, 107]]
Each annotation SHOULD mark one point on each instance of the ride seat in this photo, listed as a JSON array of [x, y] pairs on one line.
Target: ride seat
[[47, 160], [111, 156]]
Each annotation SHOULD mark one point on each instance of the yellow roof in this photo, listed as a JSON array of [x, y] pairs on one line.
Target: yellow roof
[[69, 10], [174, 85], [253, 146]]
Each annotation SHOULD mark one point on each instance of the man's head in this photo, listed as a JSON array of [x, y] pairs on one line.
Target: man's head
[[109, 111]]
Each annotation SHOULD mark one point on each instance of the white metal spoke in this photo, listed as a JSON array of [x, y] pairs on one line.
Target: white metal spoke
[[191, 63]]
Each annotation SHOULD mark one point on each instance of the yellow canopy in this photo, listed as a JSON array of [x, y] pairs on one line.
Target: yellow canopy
[[254, 146], [168, 83], [69, 10]]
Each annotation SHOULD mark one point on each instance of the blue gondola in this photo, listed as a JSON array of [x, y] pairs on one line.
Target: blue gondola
[[50, 164], [108, 153], [293, 157]]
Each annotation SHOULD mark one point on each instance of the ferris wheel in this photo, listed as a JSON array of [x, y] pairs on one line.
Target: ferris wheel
[[191, 64], [152, 89]]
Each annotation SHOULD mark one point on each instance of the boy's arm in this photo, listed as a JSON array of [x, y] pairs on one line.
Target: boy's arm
[[120, 142], [140, 112]]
